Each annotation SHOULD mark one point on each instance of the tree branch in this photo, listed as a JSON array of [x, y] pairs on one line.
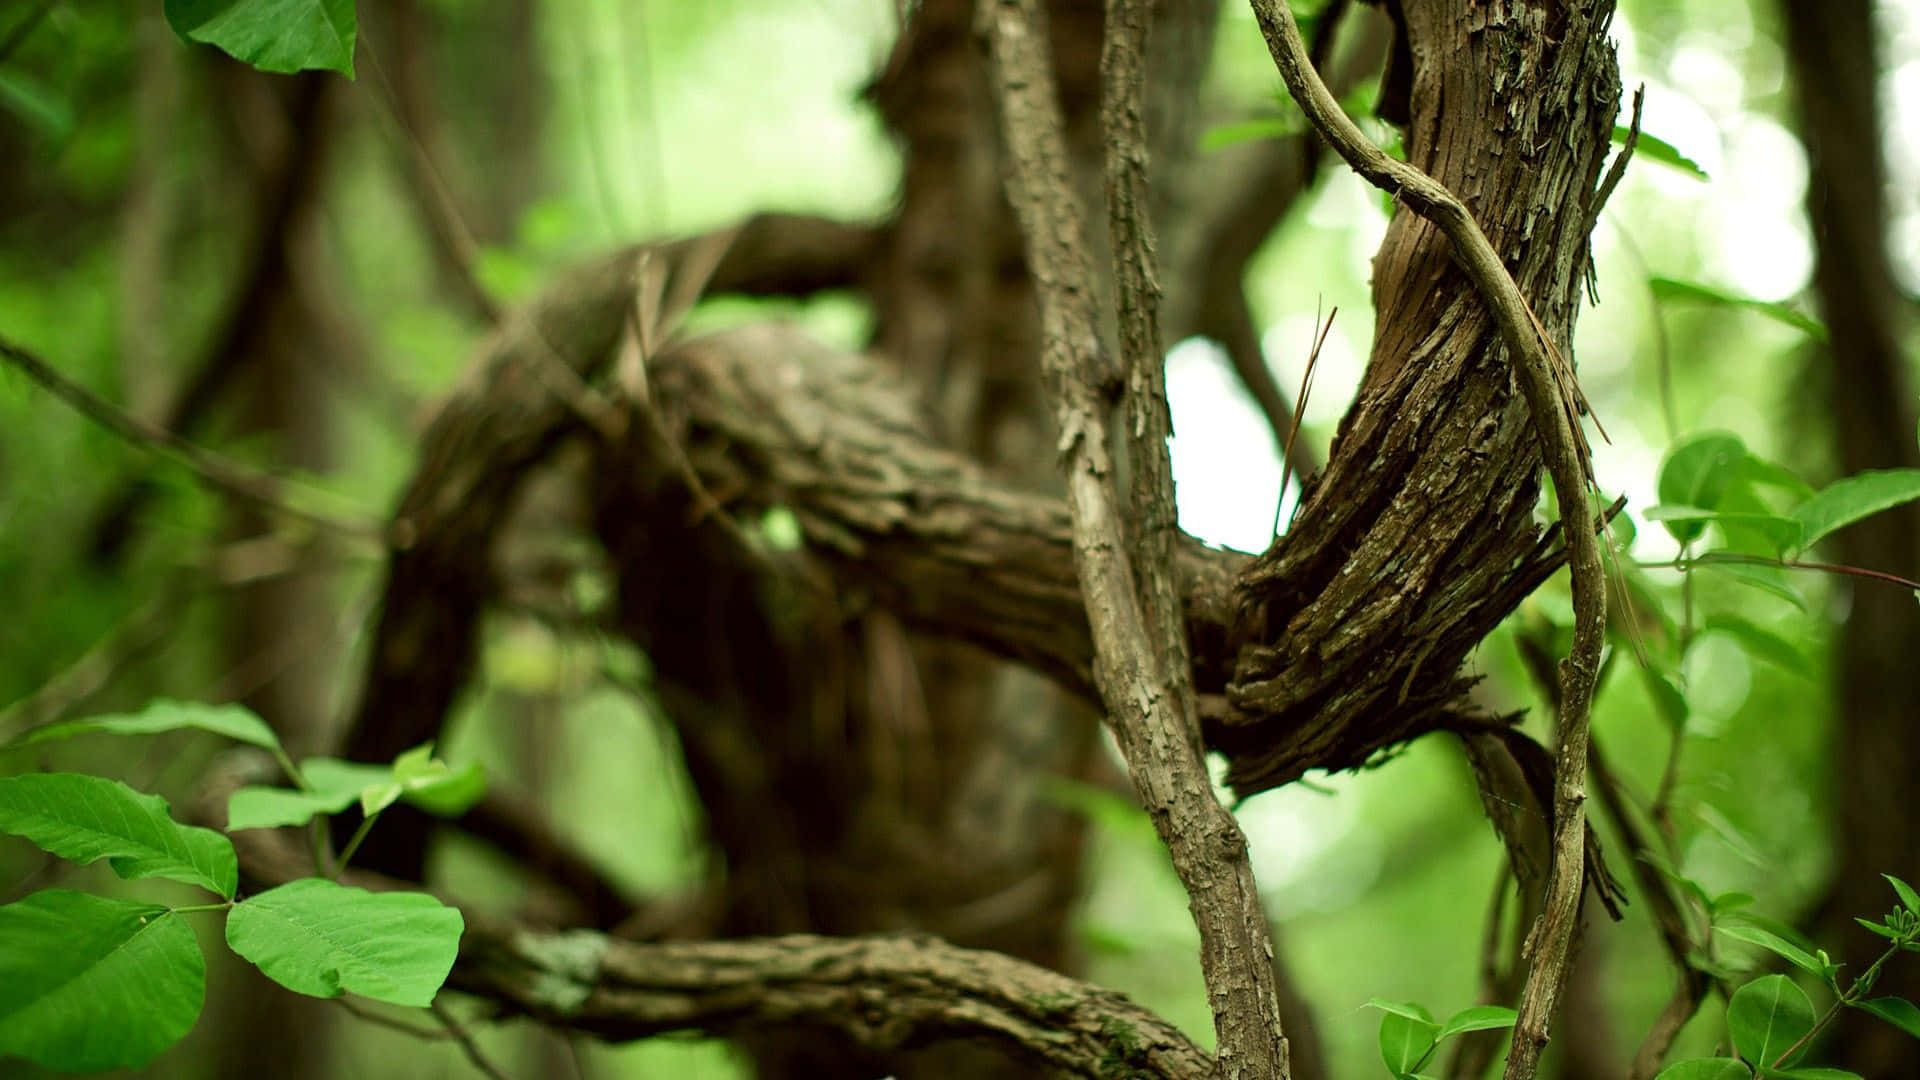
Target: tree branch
[[1556, 404], [1124, 558], [884, 993], [221, 473]]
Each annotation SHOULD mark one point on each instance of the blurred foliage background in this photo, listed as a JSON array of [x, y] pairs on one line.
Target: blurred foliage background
[[139, 173]]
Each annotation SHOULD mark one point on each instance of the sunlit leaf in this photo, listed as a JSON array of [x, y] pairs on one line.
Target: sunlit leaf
[[1761, 471], [1781, 532], [316, 937], [89, 984], [1477, 1018], [1652, 148], [256, 807], [1407, 1035], [1852, 498], [280, 36], [1666, 288], [1767, 1016], [234, 721], [85, 818], [1768, 579], [1776, 945], [1696, 471]]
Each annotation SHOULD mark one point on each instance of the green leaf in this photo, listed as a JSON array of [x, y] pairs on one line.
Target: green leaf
[[1262, 127], [1761, 643], [449, 792], [280, 36], [1759, 470], [1668, 701], [1768, 579], [1666, 288], [1706, 1069], [1406, 1041], [89, 984], [333, 776], [378, 798], [1818, 1072], [1657, 149], [1766, 1016], [1851, 498], [1781, 532], [1695, 474], [234, 721], [84, 818], [1897, 1011], [1407, 1034], [271, 808], [1786, 950], [428, 783], [1882, 929], [1477, 1018], [319, 938], [431, 784], [1729, 901], [1908, 898]]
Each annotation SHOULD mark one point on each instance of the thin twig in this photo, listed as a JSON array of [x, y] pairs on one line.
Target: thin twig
[[1299, 414], [220, 473], [1556, 404], [1123, 555], [467, 1045], [361, 1012], [1618, 170], [1712, 557]]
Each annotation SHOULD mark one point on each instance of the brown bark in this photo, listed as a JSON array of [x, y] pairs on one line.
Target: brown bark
[[1834, 51], [1398, 562]]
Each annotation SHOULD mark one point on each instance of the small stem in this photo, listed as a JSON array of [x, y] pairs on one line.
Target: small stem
[[1788, 564], [1825, 1019], [1853, 993], [287, 766], [353, 844], [322, 853], [188, 909]]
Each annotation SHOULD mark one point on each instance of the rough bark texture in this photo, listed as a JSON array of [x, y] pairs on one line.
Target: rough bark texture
[[856, 779], [1834, 51], [1404, 553]]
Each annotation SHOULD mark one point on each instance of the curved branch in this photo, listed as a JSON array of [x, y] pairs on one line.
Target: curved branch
[[885, 993], [1555, 401]]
